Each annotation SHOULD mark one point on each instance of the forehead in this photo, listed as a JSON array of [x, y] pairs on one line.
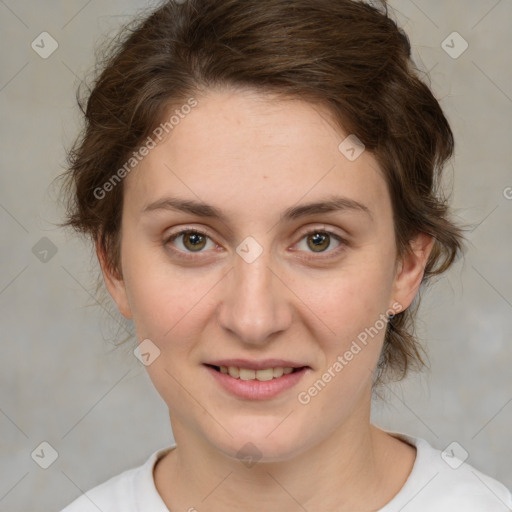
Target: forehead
[[244, 151]]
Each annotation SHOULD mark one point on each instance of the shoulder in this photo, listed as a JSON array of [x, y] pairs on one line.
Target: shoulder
[[442, 481], [113, 495], [123, 492]]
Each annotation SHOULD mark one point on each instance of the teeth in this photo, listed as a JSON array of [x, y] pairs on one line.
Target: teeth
[[234, 372], [278, 372], [247, 374], [261, 375]]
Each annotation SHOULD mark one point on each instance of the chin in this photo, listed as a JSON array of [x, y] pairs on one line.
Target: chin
[[258, 440]]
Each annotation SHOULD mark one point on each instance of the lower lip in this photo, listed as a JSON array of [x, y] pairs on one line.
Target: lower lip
[[255, 389]]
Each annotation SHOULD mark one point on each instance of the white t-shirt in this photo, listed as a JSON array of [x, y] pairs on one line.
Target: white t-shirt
[[434, 485]]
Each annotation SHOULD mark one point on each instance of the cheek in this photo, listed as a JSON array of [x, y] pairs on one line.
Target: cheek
[[347, 316], [167, 301], [350, 329], [162, 308], [348, 300]]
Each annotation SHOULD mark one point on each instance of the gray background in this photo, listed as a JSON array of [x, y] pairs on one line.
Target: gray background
[[61, 382]]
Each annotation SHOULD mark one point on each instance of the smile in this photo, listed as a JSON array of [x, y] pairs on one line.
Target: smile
[[263, 375], [251, 384]]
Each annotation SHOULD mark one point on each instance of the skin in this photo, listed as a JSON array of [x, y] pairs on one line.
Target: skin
[[253, 156]]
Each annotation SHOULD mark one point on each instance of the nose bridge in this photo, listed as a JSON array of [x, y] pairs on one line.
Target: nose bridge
[[253, 305]]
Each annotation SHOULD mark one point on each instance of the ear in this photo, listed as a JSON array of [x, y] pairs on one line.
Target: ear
[[410, 270], [115, 284]]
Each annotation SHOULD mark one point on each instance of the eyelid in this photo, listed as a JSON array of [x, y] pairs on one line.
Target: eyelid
[[184, 230], [322, 228]]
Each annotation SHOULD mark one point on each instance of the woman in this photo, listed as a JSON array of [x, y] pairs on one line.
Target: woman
[[261, 183]]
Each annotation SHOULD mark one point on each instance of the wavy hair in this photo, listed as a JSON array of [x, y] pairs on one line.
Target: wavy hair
[[347, 55]]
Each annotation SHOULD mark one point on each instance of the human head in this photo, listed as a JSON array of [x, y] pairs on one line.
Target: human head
[[346, 56]]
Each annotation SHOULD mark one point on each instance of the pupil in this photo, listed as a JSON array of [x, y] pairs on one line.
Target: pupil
[[318, 240], [195, 240]]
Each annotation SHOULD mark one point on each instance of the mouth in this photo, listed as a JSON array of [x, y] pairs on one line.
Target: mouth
[[262, 375], [264, 381]]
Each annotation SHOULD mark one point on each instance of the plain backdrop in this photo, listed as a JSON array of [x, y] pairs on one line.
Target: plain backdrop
[[62, 380]]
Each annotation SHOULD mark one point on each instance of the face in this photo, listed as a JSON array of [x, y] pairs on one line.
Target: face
[[256, 280]]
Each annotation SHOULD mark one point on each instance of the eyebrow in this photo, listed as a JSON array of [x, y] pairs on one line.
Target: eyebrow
[[200, 209]]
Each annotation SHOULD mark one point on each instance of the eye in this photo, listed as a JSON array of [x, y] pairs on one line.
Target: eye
[[195, 240], [192, 240], [319, 240]]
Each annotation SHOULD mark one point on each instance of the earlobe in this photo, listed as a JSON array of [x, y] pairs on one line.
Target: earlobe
[[410, 270], [115, 284]]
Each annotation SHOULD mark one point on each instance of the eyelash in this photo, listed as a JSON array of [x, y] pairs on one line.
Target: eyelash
[[189, 256]]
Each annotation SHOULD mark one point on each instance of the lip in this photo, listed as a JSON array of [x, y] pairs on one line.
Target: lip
[[255, 389], [257, 365]]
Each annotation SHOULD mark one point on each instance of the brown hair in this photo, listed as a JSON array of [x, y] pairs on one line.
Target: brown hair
[[347, 55]]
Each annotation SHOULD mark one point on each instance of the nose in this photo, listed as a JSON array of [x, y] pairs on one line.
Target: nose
[[254, 304]]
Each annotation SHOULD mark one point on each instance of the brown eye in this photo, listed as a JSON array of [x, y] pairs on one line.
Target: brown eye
[[319, 241], [194, 241]]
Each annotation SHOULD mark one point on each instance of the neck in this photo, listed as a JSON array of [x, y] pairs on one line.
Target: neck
[[358, 467]]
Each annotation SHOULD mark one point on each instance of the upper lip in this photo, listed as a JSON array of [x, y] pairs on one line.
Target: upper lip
[[256, 365]]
